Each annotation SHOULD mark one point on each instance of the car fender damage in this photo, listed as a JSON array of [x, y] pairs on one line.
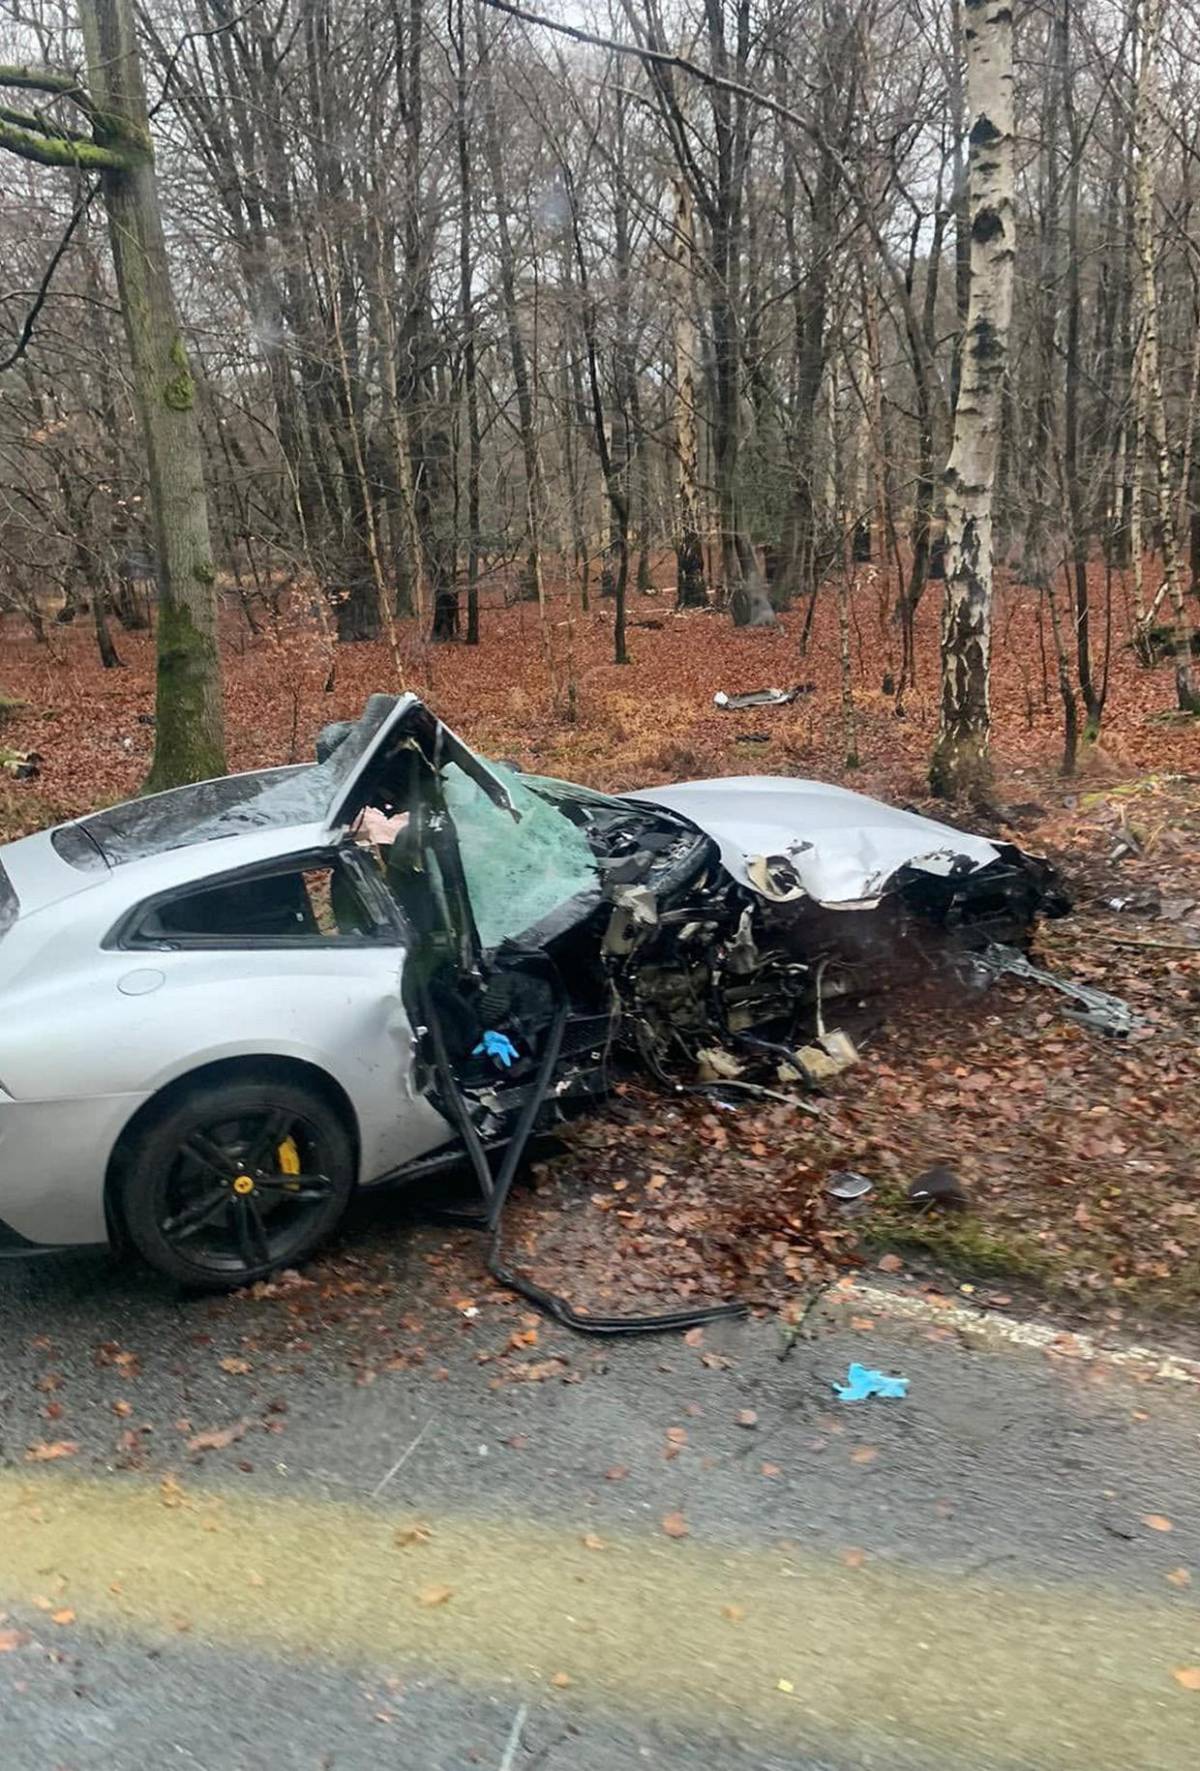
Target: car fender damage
[[573, 932]]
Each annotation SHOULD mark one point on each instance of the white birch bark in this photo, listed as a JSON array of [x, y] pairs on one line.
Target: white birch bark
[[1147, 143], [960, 760]]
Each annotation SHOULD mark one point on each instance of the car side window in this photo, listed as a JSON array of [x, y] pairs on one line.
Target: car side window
[[317, 902]]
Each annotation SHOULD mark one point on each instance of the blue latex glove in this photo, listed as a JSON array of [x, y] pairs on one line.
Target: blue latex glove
[[498, 1047], [863, 1383]]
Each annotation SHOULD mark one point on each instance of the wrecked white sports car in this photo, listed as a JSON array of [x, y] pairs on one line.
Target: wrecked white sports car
[[230, 1006]]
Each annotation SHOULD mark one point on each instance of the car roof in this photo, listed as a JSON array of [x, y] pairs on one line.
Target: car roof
[[40, 876], [229, 806]]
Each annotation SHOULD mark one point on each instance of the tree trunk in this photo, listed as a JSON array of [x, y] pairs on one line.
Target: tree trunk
[[961, 195], [189, 734], [1146, 140], [921, 344], [1093, 692], [801, 570], [1065, 687], [466, 320], [691, 592], [110, 658], [522, 380], [1041, 532], [618, 497], [960, 760]]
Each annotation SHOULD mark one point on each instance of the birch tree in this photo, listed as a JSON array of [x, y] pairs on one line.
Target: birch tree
[[1146, 139], [961, 758]]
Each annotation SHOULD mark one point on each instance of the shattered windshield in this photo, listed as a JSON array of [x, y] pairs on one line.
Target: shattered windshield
[[569, 792], [516, 872]]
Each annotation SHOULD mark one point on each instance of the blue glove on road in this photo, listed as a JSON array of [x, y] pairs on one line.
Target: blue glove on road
[[863, 1383]]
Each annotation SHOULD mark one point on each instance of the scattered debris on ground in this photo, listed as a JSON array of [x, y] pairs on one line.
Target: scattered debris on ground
[[1078, 1150]]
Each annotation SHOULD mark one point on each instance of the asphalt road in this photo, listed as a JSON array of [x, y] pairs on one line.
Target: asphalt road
[[384, 1521]]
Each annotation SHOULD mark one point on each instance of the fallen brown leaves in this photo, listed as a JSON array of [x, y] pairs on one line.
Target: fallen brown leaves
[[44, 1452], [1077, 1149], [675, 1525], [407, 1535], [217, 1438]]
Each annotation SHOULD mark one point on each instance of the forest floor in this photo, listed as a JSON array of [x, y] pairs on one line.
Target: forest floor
[[1082, 1153]]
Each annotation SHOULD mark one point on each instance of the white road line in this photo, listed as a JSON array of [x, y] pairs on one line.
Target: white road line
[[400, 1462], [1014, 1331], [514, 1739]]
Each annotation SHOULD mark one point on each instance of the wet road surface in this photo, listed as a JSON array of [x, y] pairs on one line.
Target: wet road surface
[[373, 1522]]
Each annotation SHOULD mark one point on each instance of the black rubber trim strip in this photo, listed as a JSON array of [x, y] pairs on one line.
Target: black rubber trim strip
[[496, 1188]]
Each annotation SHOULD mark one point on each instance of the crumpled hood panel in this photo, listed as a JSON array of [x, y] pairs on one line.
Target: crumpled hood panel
[[844, 847]]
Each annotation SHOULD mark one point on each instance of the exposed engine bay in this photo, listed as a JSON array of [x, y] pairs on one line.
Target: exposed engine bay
[[559, 934], [671, 957]]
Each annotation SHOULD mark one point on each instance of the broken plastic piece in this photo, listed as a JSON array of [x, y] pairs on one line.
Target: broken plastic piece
[[755, 698], [844, 1183], [498, 1047], [840, 1047], [815, 1065], [862, 1383], [717, 1065], [775, 877], [833, 1053], [1098, 1010]]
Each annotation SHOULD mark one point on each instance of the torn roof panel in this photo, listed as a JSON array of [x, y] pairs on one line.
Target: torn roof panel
[[843, 847]]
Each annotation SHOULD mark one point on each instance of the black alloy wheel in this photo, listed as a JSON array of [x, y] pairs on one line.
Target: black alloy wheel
[[232, 1181]]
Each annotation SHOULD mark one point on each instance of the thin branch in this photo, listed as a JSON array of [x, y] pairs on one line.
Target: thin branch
[[60, 82], [34, 121], [185, 42], [662, 58], [39, 300]]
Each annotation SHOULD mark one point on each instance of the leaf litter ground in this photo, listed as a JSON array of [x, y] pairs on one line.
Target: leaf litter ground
[[1080, 1152]]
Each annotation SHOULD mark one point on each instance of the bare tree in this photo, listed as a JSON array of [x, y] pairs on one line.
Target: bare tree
[[189, 742], [1146, 135]]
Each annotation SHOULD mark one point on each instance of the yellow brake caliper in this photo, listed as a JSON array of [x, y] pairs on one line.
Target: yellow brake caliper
[[289, 1158]]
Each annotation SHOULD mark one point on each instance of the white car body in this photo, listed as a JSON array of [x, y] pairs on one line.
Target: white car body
[[98, 1022]]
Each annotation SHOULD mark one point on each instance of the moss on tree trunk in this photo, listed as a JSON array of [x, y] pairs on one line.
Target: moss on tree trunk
[[189, 742]]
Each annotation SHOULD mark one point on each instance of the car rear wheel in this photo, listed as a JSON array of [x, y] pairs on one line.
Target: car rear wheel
[[233, 1180]]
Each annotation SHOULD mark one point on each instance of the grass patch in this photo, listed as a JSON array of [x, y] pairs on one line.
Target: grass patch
[[965, 1245]]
